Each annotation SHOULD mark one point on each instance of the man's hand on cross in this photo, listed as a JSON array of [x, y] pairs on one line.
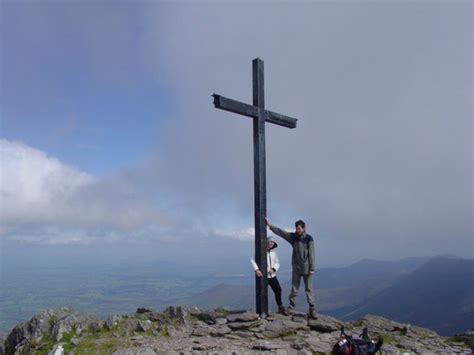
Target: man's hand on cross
[[267, 222], [258, 273]]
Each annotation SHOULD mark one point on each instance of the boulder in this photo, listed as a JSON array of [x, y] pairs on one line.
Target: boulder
[[154, 316], [242, 317], [142, 310], [243, 325], [298, 344], [176, 314], [129, 326], [202, 331], [321, 342], [203, 346], [96, 326], [243, 334], [135, 351], [57, 350], [53, 323], [325, 324], [221, 321], [220, 331], [283, 327], [59, 329], [207, 317], [112, 321], [266, 345], [143, 326]]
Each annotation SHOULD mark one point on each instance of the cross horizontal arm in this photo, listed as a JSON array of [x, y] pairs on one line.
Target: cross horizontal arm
[[241, 108], [280, 120], [235, 106]]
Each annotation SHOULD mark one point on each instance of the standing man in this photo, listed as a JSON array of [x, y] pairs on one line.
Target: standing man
[[273, 264], [302, 261]]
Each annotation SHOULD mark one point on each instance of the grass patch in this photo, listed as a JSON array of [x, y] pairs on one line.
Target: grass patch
[[94, 344], [466, 340], [193, 317], [387, 339], [164, 332], [52, 321], [116, 327], [43, 346], [222, 311], [67, 336], [68, 348], [101, 331]]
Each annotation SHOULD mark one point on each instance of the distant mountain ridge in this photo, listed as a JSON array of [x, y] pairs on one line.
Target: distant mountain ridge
[[433, 292], [366, 270], [439, 294]]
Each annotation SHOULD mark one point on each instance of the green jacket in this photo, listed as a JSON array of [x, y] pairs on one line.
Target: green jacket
[[302, 259]]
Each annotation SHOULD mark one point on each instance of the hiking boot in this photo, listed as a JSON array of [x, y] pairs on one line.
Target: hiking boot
[[312, 313], [283, 311], [290, 310]]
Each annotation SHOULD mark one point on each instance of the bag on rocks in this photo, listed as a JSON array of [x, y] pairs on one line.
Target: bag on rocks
[[349, 345]]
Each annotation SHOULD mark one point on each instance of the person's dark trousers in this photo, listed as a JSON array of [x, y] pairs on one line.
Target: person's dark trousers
[[275, 285]]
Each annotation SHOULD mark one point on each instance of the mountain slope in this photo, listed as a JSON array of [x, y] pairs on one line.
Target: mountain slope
[[439, 294], [335, 287], [366, 271], [435, 293], [190, 331]]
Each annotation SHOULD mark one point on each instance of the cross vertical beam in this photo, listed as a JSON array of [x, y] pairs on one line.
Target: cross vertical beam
[[260, 191], [259, 115]]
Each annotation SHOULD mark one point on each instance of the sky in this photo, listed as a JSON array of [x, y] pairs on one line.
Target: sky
[[111, 149]]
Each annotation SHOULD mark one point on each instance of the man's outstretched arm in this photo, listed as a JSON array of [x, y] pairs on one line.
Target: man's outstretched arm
[[278, 231]]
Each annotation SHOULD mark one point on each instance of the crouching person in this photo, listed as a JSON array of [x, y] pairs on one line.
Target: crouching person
[[273, 264]]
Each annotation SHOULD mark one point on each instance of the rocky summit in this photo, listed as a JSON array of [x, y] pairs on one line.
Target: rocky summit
[[187, 330]]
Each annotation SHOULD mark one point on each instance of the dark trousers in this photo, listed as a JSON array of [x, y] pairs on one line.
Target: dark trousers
[[275, 285]]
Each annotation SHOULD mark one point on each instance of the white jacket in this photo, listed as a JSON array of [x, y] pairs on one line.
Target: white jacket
[[272, 264]]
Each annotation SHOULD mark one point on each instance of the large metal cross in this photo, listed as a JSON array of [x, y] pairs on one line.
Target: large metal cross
[[260, 116]]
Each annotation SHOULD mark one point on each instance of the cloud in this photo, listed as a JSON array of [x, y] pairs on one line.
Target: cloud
[[35, 187], [243, 234], [381, 161], [45, 200]]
